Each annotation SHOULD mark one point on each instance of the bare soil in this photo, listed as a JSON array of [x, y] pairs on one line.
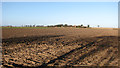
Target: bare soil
[[30, 47]]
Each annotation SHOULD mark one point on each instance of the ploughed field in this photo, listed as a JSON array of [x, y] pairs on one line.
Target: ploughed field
[[34, 47]]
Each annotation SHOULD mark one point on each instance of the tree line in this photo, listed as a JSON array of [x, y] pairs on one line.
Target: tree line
[[58, 25], [66, 25]]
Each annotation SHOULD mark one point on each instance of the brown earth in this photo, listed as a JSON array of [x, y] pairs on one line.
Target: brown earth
[[28, 47]]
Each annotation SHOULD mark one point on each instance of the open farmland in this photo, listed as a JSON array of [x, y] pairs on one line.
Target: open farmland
[[33, 47]]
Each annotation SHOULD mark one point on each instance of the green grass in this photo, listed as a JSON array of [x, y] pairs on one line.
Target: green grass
[[25, 27]]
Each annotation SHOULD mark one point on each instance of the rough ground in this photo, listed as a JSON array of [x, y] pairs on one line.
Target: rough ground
[[59, 47]]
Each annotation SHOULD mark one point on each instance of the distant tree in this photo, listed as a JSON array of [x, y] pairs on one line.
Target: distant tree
[[69, 25], [33, 25], [48, 26], [88, 26], [78, 26], [98, 26], [59, 25], [30, 26], [81, 25], [39, 26], [26, 25], [65, 25]]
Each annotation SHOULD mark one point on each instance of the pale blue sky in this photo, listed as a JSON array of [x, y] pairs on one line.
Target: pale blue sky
[[104, 14]]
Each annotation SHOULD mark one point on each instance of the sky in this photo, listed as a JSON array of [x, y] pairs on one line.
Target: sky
[[104, 14]]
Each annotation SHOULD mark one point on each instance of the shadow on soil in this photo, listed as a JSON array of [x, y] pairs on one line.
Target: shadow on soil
[[107, 37], [28, 39]]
